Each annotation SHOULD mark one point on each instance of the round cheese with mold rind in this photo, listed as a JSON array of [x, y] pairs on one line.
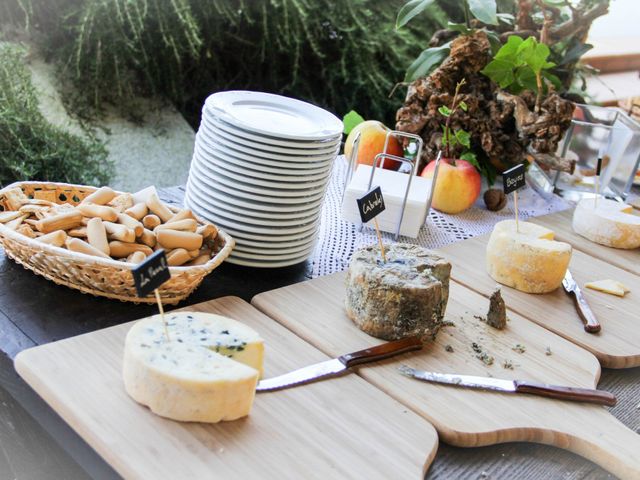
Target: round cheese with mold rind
[[609, 223], [527, 259], [206, 371]]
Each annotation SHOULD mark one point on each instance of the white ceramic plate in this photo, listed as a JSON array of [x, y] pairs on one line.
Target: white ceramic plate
[[270, 195], [274, 115], [215, 195], [263, 237], [249, 243], [264, 263], [259, 163], [264, 249], [210, 161], [211, 119], [253, 217], [214, 132], [239, 226], [244, 177], [257, 256], [282, 157]]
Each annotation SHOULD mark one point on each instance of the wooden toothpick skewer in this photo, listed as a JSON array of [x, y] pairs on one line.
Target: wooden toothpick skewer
[[384, 257], [164, 322], [515, 206]]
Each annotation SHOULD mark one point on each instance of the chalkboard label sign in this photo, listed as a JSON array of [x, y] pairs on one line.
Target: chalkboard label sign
[[513, 179], [371, 205], [599, 166], [151, 273]]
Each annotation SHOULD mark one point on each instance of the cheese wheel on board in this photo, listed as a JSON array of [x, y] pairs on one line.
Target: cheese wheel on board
[[206, 371], [611, 223], [529, 260]]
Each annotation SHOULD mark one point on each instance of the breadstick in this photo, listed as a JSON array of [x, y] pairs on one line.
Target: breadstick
[[31, 221], [33, 209], [194, 253], [97, 235], [159, 208], [79, 232], [120, 232], [187, 225], [178, 239], [122, 249], [151, 221], [178, 257], [9, 215], [122, 202], [148, 238], [207, 231], [61, 221], [56, 238], [138, 211], [131, 223], [39, 202], [16, 222], [136, 257], [26, 230], [105, 213], [77, 245], [101, 196], [181, 215], [199, 260]]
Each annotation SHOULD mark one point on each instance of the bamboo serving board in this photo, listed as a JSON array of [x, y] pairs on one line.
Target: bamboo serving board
[[560, 223], [463, 417], [618, 343], [343, 428]]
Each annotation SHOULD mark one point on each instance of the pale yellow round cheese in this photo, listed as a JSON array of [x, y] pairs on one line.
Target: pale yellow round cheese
[[206, 371], [608, 223], [529, 259]]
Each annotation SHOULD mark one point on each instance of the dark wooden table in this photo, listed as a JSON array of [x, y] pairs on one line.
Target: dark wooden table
[[36, 444]]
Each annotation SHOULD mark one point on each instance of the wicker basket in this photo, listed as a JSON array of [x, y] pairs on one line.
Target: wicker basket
[[94, 275]]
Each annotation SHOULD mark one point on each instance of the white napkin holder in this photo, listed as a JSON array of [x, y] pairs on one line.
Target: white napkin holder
[[394, 186]]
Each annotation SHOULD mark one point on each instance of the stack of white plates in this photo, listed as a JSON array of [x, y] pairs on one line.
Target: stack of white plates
[[260, 168]]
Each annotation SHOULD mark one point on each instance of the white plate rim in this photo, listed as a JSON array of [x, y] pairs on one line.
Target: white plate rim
[[223, 102]]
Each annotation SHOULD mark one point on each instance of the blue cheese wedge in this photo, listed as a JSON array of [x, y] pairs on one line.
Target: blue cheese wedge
[[206, 371]]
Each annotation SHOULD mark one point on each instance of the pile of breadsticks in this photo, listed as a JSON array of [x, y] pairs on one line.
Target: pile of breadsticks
[[110, 225]]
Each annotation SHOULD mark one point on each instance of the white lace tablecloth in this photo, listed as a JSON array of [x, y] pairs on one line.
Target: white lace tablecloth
[[337, 239]]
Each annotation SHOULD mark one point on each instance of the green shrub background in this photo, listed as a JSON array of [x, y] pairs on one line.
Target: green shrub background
[[30, 147], [340, 54]]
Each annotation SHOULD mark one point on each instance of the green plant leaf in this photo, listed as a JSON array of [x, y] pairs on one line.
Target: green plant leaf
[[351, 120], [463, 138], [460, 27], [555, 81], [506, 18], [463, 106], [410, 10], [510, 49], [484, 10], [556, 3], [472, 159], [428, 60], [444, 110], [494, 41], [500, 71], [574, 53]]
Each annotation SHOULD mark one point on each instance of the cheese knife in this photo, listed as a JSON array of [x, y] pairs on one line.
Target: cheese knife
[[591, 324], [339, 365], [574, 394]]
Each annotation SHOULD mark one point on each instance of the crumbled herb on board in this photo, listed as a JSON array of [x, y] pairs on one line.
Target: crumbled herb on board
[[480, 317], [519, 348], [508, 364], [547, 351], [448, 323], [448, 348], [481, 355]]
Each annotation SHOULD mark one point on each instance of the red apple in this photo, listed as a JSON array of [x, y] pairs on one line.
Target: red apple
[[372, 137], [457, 186]]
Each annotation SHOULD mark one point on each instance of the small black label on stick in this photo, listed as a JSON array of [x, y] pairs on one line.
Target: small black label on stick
[[599, 166], [371, 205], [151, 273], [513, 179]]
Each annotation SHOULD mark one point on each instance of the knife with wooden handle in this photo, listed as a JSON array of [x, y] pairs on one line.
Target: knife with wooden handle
[[589, 320], [339, 365], [574, 394]]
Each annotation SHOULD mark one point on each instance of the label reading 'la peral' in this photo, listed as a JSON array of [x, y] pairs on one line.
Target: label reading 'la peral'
[[513, 179], [151, 273], [371, 205]]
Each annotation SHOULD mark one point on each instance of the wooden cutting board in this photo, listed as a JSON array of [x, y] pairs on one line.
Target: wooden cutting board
[[618, 343], [342, 428], [560, 223], [314, 310]]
